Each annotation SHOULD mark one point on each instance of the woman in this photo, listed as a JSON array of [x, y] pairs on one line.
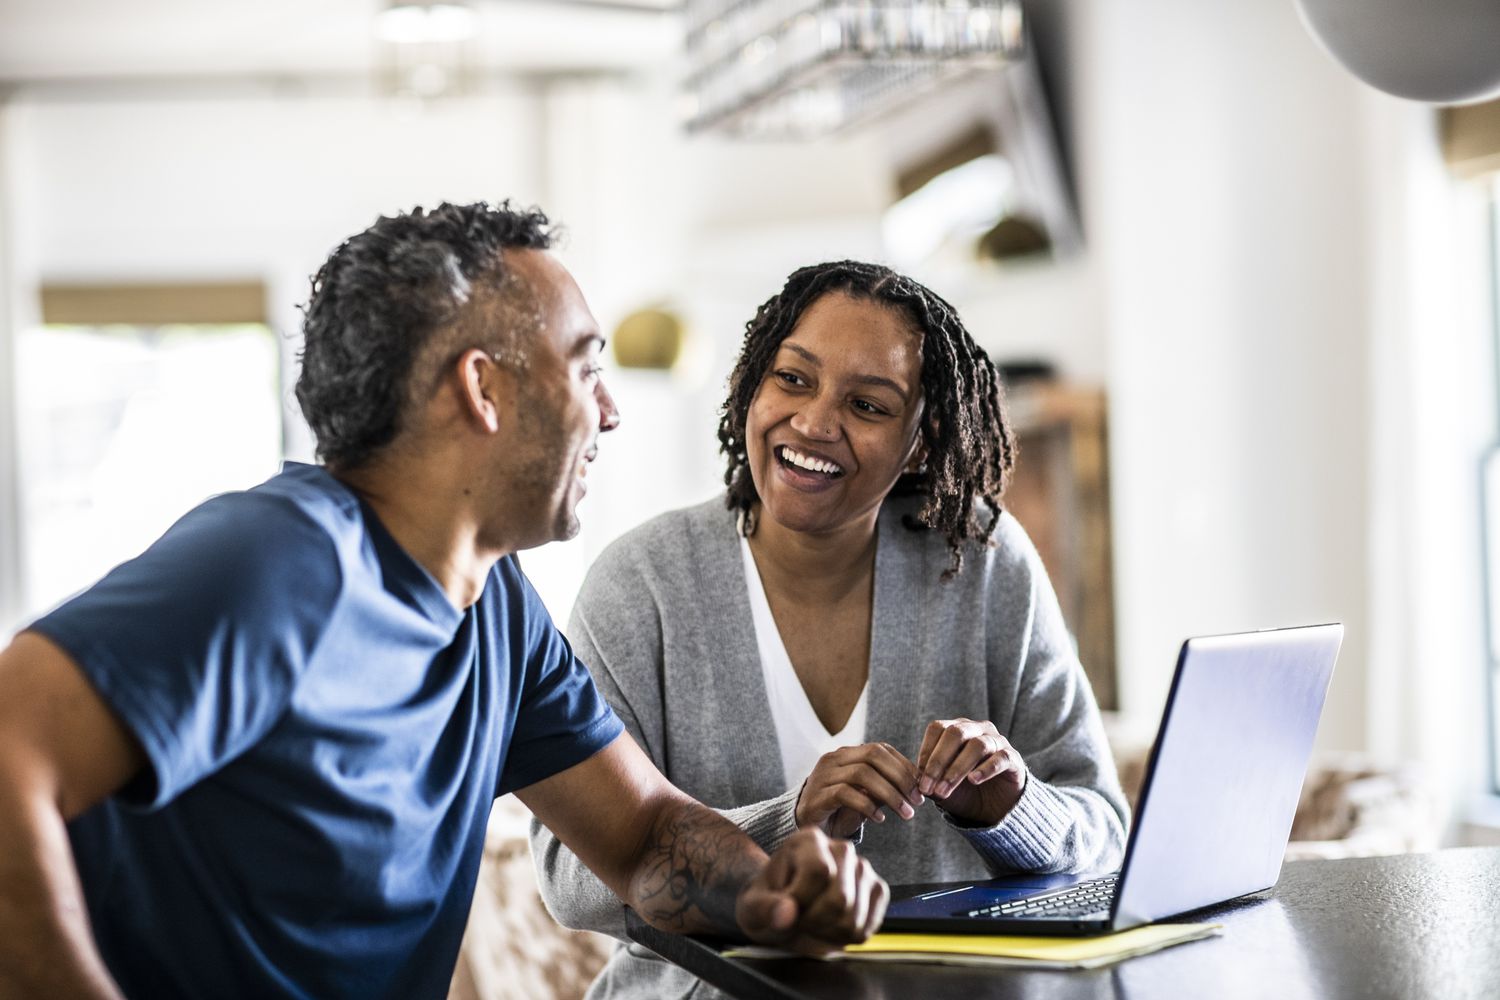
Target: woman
[[855, 636]]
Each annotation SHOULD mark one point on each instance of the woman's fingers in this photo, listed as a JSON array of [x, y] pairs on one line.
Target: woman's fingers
[[970, 755], [874, 775], [947, 739], [876, 785], [996, 764], [897, 769], [957, 749], [853, 798], [883, 757], [823, 802], [930, 739]]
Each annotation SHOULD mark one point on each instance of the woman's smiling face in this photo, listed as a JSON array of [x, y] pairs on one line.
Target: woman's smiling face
[[836, 418]]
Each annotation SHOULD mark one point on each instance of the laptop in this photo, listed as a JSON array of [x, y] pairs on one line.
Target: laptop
[[1215, 809]]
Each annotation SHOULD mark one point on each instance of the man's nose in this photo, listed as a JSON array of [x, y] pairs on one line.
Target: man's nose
[[609, 413]]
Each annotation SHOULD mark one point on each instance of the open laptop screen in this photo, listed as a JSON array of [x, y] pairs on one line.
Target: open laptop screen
[[1225, 774]]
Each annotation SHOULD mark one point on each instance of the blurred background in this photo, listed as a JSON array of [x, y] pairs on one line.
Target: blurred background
[[1245, 302]]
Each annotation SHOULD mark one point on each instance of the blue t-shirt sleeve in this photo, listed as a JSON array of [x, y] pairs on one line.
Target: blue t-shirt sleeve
[[562, 720], [197, 644]]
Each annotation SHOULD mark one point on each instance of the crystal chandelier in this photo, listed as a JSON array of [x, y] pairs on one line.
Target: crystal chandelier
[[797, 68]]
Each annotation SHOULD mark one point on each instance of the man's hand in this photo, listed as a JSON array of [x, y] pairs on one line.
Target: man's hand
[[851, 784], [684, 868], [970, 770], [815, 895]]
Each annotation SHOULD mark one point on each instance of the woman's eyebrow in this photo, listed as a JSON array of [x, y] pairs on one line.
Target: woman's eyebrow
[[881, 380], [809, 355], [812, 358]]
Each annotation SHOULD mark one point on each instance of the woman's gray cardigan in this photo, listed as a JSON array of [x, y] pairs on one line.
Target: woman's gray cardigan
[[663, 621]]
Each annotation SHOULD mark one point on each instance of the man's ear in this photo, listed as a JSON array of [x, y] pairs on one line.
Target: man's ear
[[480, 388]]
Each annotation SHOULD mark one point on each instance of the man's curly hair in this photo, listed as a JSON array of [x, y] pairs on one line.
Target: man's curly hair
[[971, 447], [378, 301]]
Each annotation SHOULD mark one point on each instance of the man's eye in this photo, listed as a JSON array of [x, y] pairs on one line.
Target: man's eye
[[593, 371]]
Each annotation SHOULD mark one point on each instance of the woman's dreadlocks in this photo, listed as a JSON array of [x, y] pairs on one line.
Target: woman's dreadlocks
[[971, 447]]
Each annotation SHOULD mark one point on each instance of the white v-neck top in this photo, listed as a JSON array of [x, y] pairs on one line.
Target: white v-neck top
[[802, 736]]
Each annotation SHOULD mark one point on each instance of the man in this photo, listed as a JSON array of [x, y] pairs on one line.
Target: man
[[258, 759]]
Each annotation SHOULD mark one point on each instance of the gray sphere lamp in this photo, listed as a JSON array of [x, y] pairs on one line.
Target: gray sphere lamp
[[1438, 51]]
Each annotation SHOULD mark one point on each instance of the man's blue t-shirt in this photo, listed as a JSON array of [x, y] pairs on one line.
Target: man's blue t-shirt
[[325, 734]]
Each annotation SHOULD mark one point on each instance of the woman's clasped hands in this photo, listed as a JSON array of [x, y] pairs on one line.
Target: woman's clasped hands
[[965, 766]]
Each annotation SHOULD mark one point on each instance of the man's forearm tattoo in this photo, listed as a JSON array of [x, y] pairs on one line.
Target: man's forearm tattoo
[[695, 861]]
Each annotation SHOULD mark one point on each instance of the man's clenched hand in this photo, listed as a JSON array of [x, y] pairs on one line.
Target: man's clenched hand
[[815, 895]]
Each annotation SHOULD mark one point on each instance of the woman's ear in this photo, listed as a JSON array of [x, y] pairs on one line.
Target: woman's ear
[[916, 462], [916, 458]]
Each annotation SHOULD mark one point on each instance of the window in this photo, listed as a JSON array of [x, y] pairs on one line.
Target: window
[[1490, 488], [122, 429]]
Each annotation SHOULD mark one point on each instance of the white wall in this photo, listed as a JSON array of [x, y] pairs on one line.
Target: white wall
[[1231, 293], [1221, 168], [1298, 358], [10, 539]]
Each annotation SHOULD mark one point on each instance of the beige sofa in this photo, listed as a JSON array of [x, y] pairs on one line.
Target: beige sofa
[[513, 948]]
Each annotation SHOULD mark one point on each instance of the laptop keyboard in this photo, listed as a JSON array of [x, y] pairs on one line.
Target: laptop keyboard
[[1075, 901]]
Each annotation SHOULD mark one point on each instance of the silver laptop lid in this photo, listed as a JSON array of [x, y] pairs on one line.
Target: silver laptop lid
[[1222, 785]]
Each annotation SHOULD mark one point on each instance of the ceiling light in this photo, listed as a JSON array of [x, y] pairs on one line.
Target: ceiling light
[[412, 22], [807, 67]]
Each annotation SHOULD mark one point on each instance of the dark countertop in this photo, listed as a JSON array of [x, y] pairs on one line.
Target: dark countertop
[[1404, 927]]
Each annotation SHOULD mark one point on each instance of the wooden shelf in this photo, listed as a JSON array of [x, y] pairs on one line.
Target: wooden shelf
[[1060, 494]]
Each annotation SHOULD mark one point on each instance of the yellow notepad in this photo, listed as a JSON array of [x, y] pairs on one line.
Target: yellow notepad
[[1035, 952]]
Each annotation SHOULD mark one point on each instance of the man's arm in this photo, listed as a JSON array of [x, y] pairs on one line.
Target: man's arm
[[687, 869], [61, 751]]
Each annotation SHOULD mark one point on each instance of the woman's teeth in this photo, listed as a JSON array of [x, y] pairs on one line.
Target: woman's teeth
[[793, 457]]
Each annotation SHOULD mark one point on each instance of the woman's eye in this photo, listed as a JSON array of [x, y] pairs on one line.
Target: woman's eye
[[865, 406], [790, 378], [593, 371]]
